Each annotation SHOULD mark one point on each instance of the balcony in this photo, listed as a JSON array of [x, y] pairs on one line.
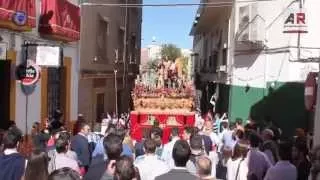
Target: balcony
[[206, 15]]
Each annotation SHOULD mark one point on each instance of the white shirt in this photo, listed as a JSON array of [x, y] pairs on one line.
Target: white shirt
[[167, 152], [283, 170], [215, 139], [227, 139], [150, 166], [232, 168], [61, 160], [199, 121]]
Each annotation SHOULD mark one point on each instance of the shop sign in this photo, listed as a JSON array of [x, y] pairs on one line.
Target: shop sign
[[32, 75], [20, 18], [296, 22]]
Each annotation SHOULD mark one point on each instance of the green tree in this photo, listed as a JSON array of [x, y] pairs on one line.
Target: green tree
[[185, 62], [152, 64], [170, 51]]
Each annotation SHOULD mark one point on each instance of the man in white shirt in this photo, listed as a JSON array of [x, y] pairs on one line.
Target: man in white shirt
[[283, 169], [150, 165], [168, 148], [208, 131]]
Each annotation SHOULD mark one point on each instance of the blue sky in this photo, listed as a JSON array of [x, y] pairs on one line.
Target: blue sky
[[168, 24]]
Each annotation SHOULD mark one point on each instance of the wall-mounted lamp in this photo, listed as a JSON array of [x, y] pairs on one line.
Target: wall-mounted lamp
[[95, 59]]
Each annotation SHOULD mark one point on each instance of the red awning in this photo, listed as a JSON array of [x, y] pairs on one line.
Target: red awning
[[60, 20], [19, 15]]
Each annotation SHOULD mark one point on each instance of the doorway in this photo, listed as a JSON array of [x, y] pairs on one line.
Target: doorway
[[54, 89], [5, 67], [99, 106]]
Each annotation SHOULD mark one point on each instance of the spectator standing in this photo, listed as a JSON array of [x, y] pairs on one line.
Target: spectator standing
[[80, 145], [258, 162], [156, 135], [269, 146], [113, 148], [57, 121], [197, 150], [187, 132], [283, 168], [12, 163], [239, 124], [37, 167], [204, 167], [300, 160], [315, 161], [122, 169], [99, 149], [64, 174], [61, 160], [146, 164], [237, 168], [40, 138], [168, 148], [181, 153], [208, 131], [66, 136]]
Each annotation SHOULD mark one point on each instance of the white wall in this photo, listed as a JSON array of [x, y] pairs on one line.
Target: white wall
[[73, 51], [274, 64]]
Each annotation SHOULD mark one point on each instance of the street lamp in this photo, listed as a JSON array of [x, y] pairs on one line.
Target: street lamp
[[116, 89]]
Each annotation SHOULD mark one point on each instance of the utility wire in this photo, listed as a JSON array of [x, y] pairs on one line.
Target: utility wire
[[213, 4]]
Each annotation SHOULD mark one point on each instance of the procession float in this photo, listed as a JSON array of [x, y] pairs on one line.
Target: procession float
[[167, 101]]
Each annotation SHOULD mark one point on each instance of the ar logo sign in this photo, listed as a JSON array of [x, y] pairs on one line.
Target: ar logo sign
[[296, 22], [296, 18]]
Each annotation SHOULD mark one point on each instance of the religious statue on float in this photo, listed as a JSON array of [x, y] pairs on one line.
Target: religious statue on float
[[167, 74]]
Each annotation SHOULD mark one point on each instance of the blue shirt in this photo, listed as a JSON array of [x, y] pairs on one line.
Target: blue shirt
[[99, 149]]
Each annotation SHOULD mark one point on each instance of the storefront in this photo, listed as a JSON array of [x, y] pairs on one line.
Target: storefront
[[59, 27]]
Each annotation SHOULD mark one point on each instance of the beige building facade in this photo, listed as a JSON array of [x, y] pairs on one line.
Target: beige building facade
[[109, 57]]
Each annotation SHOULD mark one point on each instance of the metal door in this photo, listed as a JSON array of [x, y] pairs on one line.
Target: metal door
[[54, 89]]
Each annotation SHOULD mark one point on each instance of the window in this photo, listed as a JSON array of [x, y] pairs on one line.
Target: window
[[121, 34], [99, 106], [102, 40], [133, 49], [224, 56]]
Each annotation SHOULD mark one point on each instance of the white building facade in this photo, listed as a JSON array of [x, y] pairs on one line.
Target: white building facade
[[36, 108], [262, 67]]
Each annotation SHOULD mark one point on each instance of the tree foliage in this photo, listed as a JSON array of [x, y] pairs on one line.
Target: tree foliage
[[152, 64], [171, 51]]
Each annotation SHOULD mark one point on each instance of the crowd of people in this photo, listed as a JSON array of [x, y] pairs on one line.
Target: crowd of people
[[213, 149]]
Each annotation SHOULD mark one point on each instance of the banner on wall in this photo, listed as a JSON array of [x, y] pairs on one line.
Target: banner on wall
[[48, 56]]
